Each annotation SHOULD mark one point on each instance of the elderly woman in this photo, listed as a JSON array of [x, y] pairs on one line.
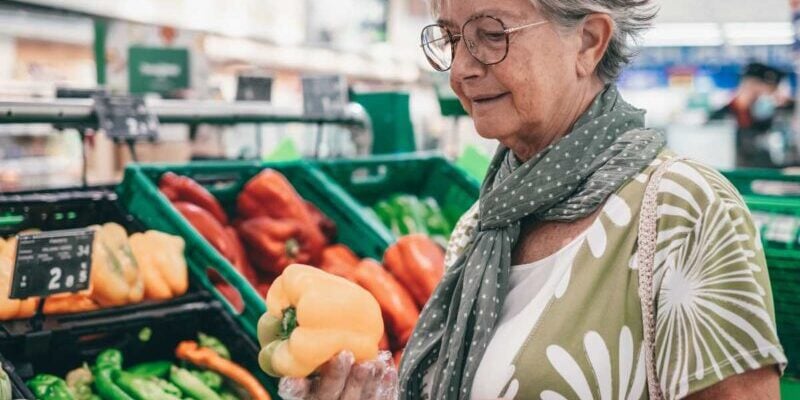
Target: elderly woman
[[541, 299]]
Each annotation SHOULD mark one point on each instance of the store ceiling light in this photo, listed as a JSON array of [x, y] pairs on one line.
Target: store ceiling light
[[683, 34], [758, 33]]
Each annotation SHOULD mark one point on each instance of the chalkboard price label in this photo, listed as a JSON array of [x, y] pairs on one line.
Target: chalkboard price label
[[125, 117], [52, 262], [324, 95]]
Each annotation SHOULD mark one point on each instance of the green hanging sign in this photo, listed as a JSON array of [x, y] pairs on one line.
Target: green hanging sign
[[157, 69]]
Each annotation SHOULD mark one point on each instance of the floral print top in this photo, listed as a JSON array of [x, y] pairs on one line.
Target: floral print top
[[580, 337]]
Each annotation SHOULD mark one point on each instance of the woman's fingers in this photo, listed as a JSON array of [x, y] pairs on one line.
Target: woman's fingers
[[370, 389], [332, 377], [294, 388], [387, 389], [359, 376]]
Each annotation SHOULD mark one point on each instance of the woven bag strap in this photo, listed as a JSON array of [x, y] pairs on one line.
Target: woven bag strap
[[646, 264]]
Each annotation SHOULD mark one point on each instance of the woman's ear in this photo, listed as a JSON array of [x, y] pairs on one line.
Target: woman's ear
[[595, 32]]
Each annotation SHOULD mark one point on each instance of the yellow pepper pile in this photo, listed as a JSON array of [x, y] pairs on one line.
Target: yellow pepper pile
[[312, 316], [125, 270]]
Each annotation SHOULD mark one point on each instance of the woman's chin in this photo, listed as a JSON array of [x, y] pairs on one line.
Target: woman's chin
[[492, 130]]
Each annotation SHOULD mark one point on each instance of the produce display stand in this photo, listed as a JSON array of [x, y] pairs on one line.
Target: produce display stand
[[774, 201], [67, 209], [139, 193], [369, 180], [56, 343], [146, 335], [80, 114]]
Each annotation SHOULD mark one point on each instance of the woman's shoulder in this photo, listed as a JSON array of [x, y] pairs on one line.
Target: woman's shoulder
[[687, 191], [691, 185]]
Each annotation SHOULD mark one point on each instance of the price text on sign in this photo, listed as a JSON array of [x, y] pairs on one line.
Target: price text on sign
[[125, 117], [324, 95], [52, 262]]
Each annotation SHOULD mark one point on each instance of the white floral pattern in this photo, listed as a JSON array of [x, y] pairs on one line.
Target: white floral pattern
[[711, 309], [629, 380]]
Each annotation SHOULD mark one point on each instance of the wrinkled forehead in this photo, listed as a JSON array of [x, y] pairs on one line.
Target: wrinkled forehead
[[453, 13]]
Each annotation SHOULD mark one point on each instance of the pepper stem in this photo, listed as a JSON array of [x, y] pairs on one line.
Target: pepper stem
[[288, 323], [292, 248]]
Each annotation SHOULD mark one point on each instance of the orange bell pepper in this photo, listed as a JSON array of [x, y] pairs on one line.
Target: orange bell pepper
[[398, 307], [418, 263], [339, 260], [69, 303], [207, 358]]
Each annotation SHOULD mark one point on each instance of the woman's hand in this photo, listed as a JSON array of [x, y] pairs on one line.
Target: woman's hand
[[342, 379]]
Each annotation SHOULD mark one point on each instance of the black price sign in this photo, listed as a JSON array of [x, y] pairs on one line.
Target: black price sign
[[52, 262], [324, 95], [253, 88], [125, 117]]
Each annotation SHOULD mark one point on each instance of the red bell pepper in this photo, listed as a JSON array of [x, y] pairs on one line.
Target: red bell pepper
[[231, 295], [274, 244], [397, 305], [209, 228], [384, 343], [241, 262], [180, 188], [269, 194], [326, 225], [339, 260], [418, 263]]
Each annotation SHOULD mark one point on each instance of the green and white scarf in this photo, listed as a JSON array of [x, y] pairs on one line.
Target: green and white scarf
[[566, 181]]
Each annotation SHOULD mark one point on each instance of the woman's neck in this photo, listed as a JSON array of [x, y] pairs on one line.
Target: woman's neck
[[524, 147]]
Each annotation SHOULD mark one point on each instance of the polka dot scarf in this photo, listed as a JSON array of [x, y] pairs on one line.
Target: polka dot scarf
[[566, 181]]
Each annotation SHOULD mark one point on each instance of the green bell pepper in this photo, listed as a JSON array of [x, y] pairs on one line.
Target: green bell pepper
[[141, 388], [5, 385], [210, 378], [191, 385], [49, 387], [107, 362], [158, 369], [228, 396], [167, 387], [388, 216], [80, 382], [214, 344], [435, 221]]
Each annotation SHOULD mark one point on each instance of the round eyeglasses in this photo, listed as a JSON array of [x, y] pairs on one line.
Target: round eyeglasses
[[485, 37]]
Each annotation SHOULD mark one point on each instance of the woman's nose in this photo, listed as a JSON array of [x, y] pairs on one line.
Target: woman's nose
[[465, 66]]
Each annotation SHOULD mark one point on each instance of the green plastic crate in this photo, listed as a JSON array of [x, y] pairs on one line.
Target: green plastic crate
[[370, 180], [765, 182], [790, 389], [139, 192]]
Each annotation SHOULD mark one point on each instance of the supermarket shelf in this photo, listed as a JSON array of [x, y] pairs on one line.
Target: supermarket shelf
[[80, 112]]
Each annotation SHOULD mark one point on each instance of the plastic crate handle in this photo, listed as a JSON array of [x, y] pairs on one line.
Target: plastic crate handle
[[369, 175]]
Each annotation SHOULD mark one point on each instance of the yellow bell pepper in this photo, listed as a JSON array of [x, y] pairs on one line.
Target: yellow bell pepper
[[161, 264], [312, 316], [115, 277]]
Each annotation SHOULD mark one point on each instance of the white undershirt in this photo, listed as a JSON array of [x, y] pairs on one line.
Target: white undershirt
[[529, 285]]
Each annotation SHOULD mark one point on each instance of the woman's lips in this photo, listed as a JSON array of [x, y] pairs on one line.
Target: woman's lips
[[485, 101]]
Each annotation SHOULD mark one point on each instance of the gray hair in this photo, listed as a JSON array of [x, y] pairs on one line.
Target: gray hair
[[631, 18]]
